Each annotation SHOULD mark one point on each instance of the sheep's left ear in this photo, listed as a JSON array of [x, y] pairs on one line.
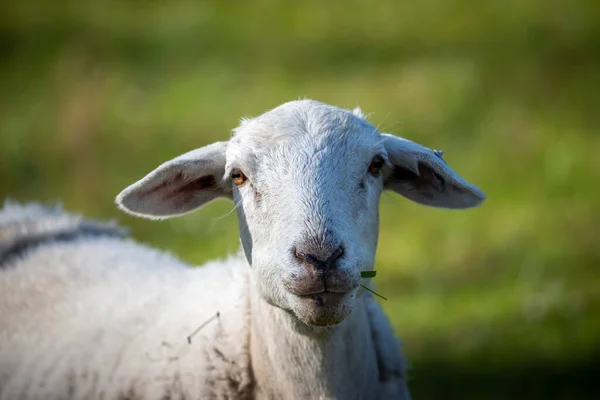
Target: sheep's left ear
[[421, 175], [179, 186]]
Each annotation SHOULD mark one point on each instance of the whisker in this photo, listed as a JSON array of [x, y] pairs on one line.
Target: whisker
[[235, 206], [382, 121]]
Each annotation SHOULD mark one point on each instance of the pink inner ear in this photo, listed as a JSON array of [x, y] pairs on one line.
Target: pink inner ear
[[198, 184], [426, 182], [177, 191]]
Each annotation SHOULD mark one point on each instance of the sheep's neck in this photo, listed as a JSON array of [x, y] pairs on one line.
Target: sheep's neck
[[293, 361]]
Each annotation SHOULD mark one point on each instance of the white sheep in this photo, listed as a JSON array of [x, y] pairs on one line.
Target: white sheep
[[88, 314]]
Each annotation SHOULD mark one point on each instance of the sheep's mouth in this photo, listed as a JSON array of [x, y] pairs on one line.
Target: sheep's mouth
[[322, 291], [326, 287], [325, 308], [326, 290], [324, 298], [322, 302]]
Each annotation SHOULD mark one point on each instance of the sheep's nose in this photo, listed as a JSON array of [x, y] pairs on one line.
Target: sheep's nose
[[320, 258]]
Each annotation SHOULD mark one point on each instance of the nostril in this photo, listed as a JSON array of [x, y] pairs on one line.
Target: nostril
[[319, 258], [302, 256], [309, 259], [337, 254]]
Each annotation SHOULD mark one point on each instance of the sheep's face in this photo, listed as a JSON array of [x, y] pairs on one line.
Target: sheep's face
[[306, 180]]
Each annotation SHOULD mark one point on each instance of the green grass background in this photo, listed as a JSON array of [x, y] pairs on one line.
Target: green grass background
[[502, 301]]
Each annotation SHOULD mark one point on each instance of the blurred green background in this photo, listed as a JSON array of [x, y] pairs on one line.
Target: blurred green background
[[502, 301]]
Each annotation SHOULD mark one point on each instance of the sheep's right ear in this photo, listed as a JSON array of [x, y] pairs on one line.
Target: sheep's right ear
[[178, 186], [421, 175]]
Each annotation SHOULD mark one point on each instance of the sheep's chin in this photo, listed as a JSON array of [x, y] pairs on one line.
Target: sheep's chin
[[324, 309]]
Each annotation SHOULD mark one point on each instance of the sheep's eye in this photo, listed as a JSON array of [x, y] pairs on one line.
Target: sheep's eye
[[238, 177], [376, 164]]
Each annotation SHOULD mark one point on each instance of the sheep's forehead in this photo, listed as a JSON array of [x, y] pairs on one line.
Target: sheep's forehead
[[300, 131]]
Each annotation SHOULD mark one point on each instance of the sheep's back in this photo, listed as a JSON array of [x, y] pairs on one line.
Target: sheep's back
[[109, 318]]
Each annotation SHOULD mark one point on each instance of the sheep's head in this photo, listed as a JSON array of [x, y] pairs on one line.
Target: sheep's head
[[306, 178]]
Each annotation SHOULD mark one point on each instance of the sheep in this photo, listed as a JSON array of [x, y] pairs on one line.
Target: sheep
[[86, 312]]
